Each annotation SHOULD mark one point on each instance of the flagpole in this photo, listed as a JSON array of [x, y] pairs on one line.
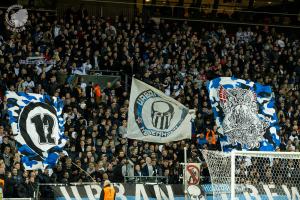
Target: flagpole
[[184, 173], [126, 163], [84, 172]]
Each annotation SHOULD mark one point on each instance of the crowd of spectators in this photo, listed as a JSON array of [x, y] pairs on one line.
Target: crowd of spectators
[[277, 171], [177, 58]]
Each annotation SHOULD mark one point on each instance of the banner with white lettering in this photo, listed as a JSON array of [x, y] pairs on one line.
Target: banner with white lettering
[[129, 192], [155, 117], [176, 192]]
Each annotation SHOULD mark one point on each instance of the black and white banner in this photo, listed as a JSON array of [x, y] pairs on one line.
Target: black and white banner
[[128, 192], [156, 117], [176, 192]]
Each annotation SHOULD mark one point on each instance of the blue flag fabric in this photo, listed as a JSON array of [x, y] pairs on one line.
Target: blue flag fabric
[[244, 113], [38, 128]]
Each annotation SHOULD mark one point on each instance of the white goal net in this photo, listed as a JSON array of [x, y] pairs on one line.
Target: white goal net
[[254, 175]]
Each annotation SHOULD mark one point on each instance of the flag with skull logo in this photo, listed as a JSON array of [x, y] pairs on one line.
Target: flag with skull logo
[[156, 117], [38, 128], [244, 113]]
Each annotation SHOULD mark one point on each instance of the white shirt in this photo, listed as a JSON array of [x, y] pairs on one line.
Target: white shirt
[[39, 70], [177, 89], [168, 90], [83, 70], [56, 31], [150, 170], [86, 67], [96, 61], [83, 87], [27, 84], [17, 71]]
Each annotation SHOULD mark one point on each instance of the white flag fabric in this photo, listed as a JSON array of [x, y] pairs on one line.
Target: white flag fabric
[[156, 117]]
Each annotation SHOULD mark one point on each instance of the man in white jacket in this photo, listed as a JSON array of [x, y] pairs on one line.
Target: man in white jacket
[[84, 69], [29, 84]]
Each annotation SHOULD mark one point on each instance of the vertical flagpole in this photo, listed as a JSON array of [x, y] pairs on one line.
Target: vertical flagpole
[[184, 173], [126, 178]]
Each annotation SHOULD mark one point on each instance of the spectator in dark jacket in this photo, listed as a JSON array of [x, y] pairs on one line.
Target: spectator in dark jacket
[[148, 169], [27, 188]]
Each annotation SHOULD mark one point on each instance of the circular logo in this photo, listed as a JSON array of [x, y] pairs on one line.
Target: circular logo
[[39, 127], [195, 193], [16, 18], [156, 116]]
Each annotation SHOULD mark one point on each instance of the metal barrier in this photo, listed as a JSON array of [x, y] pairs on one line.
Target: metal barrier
[[98, 8], [100, 78], [123, 76], [146, 179]]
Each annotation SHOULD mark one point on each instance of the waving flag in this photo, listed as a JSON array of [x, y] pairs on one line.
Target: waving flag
[[156, 117], [244, 113], [38, 128]]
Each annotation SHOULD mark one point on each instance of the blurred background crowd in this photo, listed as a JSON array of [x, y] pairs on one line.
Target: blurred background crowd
[[176, 57]]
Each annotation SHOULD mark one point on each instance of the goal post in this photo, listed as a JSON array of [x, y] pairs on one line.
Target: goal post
[[254, 174]]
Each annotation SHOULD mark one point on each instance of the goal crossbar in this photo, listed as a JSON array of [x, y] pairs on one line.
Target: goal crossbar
[[272, 153]]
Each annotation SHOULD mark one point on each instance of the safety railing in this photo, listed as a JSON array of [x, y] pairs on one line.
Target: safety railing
[[124, 76], [146, 179]]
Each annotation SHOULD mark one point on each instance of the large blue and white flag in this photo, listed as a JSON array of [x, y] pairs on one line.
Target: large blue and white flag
[[156, 117], [245, 114], [38, 128]]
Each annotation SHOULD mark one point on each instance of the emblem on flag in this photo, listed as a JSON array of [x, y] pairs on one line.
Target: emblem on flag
[[38, 127], [244, 113], [156, 117], [164, 119]]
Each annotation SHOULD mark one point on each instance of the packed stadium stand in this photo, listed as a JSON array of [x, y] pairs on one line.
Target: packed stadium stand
[[177, 57]]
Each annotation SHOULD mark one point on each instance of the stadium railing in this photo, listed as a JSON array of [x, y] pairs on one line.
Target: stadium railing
[[146, 179]]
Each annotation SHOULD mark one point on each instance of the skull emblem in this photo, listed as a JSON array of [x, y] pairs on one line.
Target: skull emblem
[[162, 113], [195, 193]]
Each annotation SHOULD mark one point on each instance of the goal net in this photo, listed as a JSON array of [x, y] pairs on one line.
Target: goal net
[[254, 175]]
